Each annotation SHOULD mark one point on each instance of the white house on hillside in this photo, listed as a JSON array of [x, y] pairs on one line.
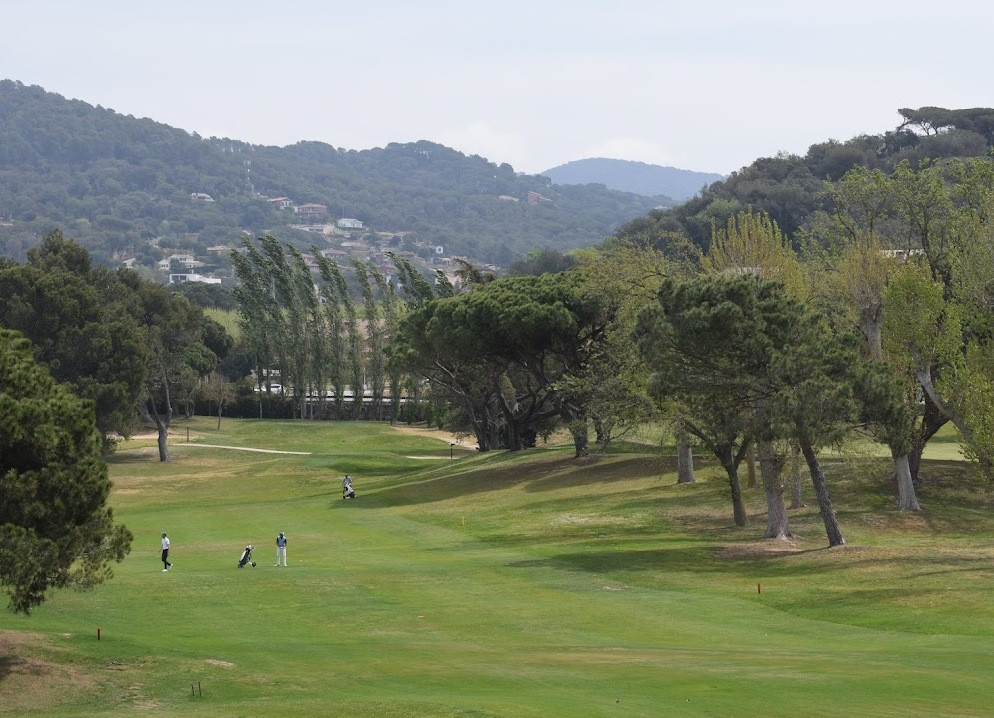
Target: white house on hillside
[[192, 277]]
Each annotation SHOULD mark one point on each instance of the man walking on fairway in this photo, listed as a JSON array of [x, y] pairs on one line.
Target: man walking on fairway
[[165, 553], [281, 549]]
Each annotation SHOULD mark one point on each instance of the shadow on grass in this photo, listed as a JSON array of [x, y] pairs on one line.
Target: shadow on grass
[[690, 559], [10, 663], [543, 473]]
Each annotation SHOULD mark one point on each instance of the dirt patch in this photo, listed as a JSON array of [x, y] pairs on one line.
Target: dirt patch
[[763, 549], [219, 662], [448, 437], [28, 681]]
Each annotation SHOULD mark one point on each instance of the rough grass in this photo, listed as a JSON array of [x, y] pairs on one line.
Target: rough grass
[[227, 318], [510, 585]]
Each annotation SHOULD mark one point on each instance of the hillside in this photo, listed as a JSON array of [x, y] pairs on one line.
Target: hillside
[[118, 184], [637, 177], [791, 188]]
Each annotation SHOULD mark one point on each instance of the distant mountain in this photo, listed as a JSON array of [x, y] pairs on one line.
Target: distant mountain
[[126, 186], [638, 177]]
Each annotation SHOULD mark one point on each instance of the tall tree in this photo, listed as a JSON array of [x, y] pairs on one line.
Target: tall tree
[[334, 312], [56, 529], [79, 325], [173, 333]]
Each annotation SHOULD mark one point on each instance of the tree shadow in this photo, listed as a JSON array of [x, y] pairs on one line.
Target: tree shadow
[[547, 474], [7, 664], [695, 559]]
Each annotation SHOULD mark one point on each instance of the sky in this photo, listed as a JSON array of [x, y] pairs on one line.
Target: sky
[[706, 85]]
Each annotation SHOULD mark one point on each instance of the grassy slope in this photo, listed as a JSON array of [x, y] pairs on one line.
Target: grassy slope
[[502, 585]]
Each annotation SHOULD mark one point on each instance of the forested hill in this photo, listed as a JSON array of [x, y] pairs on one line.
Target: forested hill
[[638, 177], [113, 182], [792, 188]]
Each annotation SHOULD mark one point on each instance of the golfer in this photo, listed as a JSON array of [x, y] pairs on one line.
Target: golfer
[[281, 549], [165, 553]]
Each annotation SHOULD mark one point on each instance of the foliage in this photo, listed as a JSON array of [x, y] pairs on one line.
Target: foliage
[[56, 529], [79, 321], [115, 182]]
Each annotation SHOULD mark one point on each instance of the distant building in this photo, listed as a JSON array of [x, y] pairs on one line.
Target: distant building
[[349, 223], [187, 260], [535, 198], [901, 255], [281, 202], [201, 196], [506, 198], [312, 228], [312, 212], [192, 277]]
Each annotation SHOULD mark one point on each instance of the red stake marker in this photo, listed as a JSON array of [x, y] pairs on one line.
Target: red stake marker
[[98, 634], [759, 587]]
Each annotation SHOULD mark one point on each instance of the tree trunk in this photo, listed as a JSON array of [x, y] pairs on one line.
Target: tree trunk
[[602, 431], [581, 439], [932, 420], [771, 467], [148, 412], [907, 500], [684, 459], [751, 467], [828, 516], [738, 505], [873, 337], [796, 500]]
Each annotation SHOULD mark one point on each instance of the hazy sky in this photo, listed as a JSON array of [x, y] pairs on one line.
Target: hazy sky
[[700, 84]]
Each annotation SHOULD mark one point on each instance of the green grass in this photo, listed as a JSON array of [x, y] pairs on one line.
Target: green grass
[[227, 318], [509, 585]]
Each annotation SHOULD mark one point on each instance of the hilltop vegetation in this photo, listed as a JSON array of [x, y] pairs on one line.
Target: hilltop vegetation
[[115, 182], [792, 188]]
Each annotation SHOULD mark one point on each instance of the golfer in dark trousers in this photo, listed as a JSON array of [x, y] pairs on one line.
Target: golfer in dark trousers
[[165, 553]]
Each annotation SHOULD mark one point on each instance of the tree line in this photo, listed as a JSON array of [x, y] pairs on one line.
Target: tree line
[[880, 326]]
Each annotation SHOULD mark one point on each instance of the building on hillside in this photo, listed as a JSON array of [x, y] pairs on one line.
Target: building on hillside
[[312, 212], [333, 253], [311, 228], [186, 260], [280, 202], [203, 196], [507, 198], [349, 223], [901, 255], [535, 198], [192, 277]]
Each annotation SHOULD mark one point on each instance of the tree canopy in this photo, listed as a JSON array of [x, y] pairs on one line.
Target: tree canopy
[[56, 529]]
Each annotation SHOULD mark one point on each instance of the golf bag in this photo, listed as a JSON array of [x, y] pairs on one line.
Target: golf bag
[[246, 557], [347, 491]]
